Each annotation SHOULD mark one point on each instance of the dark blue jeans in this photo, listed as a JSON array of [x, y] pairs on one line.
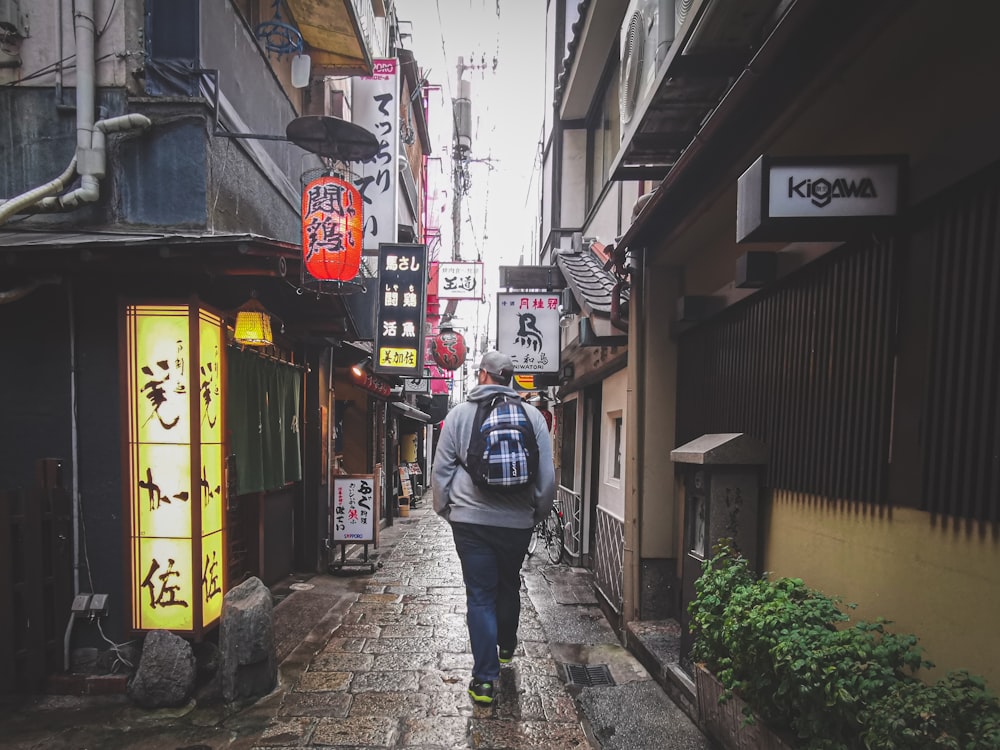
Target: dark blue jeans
[[491, 559]]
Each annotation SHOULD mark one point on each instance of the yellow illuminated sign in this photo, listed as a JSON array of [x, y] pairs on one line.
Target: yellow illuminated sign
[[403, 358], [174, 399], [525, 382]]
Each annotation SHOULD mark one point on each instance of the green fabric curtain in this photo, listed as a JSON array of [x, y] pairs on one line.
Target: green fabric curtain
[[291, 400], [264, 402]]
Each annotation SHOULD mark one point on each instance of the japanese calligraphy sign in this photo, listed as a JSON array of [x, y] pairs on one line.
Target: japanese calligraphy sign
[[174, 494], [354, 510], [376, 108], [460, 280], [401, 309], [528, 330], [332, 218]]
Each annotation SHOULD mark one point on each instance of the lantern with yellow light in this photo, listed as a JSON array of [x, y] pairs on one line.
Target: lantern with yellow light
[[332, 229], [174, 398], [253, 325]]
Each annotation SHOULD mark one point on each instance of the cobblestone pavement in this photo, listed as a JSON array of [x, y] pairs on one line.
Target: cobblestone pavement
[[395, 672], [381, 660]]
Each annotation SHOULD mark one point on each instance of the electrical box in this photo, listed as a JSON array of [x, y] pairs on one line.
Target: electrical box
[[81, 604], [99, 605]]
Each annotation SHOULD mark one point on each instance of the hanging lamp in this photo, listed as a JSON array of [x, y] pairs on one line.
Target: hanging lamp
[[253, 324]]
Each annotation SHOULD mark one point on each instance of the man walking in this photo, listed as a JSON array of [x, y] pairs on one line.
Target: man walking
[[493, 496]]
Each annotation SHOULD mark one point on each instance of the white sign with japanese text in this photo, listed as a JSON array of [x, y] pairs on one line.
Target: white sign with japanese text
[[353, 507], [418, 385], [376, 108], [528, 330], [460, 281]]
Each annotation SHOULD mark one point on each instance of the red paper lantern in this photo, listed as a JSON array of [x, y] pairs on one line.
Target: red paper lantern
[[448, 349], [332, 229]]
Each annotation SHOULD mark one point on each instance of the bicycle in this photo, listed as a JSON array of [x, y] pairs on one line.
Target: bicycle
[[550, 531]]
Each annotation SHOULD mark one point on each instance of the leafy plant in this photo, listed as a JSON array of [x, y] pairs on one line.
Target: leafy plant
[[724, 573], [799, 664], [957, 712]]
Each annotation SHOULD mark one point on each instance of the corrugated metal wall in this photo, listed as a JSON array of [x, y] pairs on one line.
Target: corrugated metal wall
[[806, 368]]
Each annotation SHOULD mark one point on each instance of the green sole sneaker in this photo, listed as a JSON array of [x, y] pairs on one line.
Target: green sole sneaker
[[506, 655], [481, 692]]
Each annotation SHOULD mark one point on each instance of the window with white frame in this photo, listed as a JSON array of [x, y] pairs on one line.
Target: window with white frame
[[613, 441]]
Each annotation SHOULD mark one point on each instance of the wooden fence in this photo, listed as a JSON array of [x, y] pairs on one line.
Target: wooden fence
[[36, 580]]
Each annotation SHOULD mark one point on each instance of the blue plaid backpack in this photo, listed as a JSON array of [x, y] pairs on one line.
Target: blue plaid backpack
[[503, 452]]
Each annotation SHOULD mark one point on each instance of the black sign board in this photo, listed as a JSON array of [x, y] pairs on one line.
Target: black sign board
[[401, 310]]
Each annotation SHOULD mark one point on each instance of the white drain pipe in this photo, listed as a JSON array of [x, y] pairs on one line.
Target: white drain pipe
[[90, 160]]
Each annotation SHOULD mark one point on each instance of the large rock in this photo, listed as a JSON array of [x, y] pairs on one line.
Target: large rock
[[248, 667], [166, 673]]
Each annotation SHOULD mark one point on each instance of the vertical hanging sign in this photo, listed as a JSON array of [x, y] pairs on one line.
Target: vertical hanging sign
[[528, 330], [173, 455], [401, 310], [376, 108]]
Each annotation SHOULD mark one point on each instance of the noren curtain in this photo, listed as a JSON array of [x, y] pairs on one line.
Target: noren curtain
[[263, 410]]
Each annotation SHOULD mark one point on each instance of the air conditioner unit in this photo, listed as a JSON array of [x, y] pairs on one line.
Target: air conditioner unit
[[646, 36], [681, 9]]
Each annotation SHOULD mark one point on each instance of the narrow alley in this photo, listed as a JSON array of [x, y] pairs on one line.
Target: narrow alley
[[382, 661]]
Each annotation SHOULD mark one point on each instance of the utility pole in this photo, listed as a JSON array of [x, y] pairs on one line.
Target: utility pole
[[461, 146]]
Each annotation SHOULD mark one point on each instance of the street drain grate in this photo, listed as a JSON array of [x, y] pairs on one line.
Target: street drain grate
[[588, 675]]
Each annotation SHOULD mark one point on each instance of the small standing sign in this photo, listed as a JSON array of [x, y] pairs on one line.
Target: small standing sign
[[354, 516]]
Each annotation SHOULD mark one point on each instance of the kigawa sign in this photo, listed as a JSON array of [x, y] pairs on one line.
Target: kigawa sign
[[528, 330], [818, 199]]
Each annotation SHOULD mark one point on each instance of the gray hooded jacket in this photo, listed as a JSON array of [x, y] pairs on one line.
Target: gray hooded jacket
[[456, 498]]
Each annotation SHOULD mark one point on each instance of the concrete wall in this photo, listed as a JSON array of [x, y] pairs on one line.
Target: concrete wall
[[574, 178], [932, 581], [611, 494], [659, 515], [41, 49]]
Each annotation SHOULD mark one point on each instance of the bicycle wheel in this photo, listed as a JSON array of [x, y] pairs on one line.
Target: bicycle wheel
[[553, 535], [533, 542]]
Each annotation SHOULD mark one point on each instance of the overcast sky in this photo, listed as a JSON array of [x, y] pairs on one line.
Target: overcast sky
[[503, 43], [500, 213]]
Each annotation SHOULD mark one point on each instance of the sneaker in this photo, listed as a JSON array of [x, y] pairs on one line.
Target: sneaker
[[481, 692], [506, 655]]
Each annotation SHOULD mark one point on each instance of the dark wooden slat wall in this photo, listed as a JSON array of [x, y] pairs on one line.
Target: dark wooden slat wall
[[961, 447], [807, 368]]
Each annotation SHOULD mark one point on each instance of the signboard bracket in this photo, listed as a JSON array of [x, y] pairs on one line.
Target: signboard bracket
[[361, 562]]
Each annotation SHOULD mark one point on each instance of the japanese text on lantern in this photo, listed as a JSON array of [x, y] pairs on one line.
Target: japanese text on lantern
[[174, 496], [332, 218]]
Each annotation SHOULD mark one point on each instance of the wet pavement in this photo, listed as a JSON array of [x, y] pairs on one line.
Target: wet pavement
[[382, 660]]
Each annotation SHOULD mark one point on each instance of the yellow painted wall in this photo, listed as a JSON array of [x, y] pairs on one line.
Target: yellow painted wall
[[408, 448], [939, 584]]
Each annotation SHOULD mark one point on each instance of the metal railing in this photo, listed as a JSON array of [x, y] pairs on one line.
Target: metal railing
[[572, 508]]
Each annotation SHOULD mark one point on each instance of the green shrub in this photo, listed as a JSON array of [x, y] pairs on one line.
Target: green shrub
[[723, 574], [957, 712], [792, 655]]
